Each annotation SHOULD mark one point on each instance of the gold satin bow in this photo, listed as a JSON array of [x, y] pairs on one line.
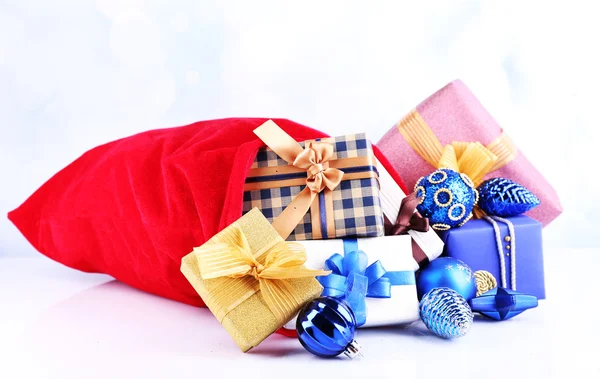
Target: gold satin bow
[[235, 259], [470, 158], [315, 160]]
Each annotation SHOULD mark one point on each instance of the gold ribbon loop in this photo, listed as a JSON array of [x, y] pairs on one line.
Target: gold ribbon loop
[[504, 148], [470, 158], [315, 160], [234, 259]]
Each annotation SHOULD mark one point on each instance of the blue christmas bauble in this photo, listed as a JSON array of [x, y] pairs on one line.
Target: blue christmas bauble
[[326, 327], [446, 313], [447, 198], [505, 198], [502, 303], [447, 272]]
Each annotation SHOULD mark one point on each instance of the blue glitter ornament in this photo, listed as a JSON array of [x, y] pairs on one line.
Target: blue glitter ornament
[[502, 304], [447, 198], [505, 198], [447, 272], [326, 327], [446, 313]]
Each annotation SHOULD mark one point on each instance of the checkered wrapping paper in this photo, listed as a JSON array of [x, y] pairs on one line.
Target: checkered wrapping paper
[[356, 203]]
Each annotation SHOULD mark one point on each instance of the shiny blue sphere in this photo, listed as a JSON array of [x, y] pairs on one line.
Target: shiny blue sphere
[[326, 326], [447, 272], [447, 198]]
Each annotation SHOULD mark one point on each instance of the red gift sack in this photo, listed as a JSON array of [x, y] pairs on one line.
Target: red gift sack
[[134, 207]]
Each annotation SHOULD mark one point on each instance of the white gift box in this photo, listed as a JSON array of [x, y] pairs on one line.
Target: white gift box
[[395, 254], [391, 196]]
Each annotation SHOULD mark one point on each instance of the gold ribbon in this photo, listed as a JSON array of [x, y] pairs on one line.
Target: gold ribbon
[[317, 160], [340, 164], [245, 272], [470, 158]]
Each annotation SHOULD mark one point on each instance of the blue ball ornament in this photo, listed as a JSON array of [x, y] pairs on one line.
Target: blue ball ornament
[[326, 327], [446, 313], [505, 198], [447, 272], [447, 198]]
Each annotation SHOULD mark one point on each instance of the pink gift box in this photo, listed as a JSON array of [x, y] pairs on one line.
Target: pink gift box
[[454, 114]]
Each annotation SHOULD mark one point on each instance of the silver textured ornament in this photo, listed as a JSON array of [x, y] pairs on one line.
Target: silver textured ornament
[[446, 313]]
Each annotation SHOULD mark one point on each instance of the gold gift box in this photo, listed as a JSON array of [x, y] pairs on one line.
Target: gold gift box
[[250, 321]]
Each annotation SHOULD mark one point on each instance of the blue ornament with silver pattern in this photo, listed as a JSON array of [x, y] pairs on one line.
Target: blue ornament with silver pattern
[[505, 198], [326, 328], [447, 198], [447, 272], [446, 313]]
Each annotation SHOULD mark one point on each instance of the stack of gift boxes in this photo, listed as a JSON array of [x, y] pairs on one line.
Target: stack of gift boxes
[[329, 241]]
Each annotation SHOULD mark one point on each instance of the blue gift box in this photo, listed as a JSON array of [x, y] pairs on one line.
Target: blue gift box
[[477, 244]]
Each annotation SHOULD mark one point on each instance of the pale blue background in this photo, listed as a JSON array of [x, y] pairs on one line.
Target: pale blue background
[[75, 74]]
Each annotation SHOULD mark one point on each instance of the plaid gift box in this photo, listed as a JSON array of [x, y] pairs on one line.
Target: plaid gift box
[[355, 202]]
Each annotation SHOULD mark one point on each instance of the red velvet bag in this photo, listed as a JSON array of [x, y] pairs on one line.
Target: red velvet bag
[[134, 207]]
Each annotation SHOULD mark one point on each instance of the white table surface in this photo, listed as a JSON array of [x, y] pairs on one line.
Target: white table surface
[[59, 323]]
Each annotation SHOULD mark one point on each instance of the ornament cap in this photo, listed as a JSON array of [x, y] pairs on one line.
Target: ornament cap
[[353, 350]]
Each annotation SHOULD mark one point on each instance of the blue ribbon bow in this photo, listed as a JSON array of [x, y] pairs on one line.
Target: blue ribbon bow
[[353, 281]]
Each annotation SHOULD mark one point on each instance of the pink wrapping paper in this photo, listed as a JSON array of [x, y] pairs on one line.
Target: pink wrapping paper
[[454, 114]]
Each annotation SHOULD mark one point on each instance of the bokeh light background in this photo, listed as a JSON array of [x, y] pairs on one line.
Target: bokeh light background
[[78, 73]]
